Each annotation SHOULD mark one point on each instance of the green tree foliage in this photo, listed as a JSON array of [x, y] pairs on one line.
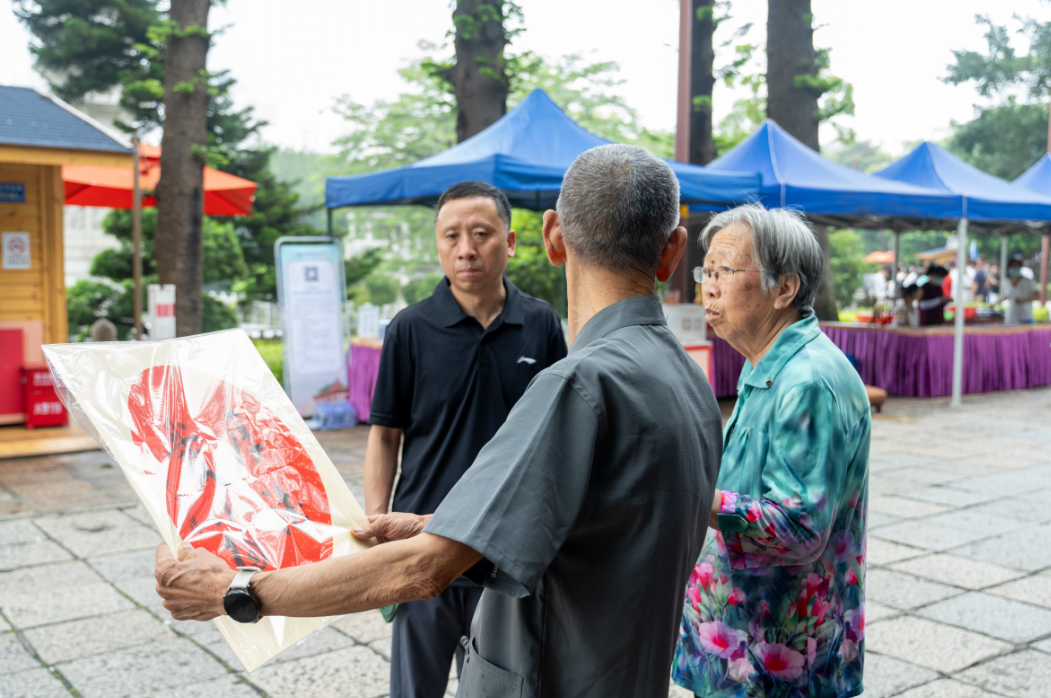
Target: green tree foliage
[[87, 47], [748, 113], [421, 122], [1004, 140], [416, 291], [848, 265], [383, 289], [357, 268], [864, 156], [530, 269], [90, 300]]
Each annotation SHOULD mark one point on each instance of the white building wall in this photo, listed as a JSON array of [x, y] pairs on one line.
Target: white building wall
[[84, 239]]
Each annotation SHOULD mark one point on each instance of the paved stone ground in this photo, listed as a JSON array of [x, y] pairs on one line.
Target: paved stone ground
[[959, 583]]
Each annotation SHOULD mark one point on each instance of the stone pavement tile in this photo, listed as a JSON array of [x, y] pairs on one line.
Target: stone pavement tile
[[138, 670], [1024, 674], [1024, 549], [27, 610], [923, 533], [932, 645], [324, 640], [1018, 459], [32, 683], [875, 519], [1009, 483], [141, 590], [226, 687], [904, 508], [927, 474], [125, 565], [977, 522], [875, 611], [13, 656], [190, 628], [11, 506], [1020, 508], [82, 638], [957, 571], [885, 483], [1043, 646], [28, 554], [946, 688], [65, 494], [19, 532], [953, 496], [904, 591], [353, 672], [382, 647], [882, 552], [44, 578], [140, 514], [364, 627], [99, 533], [1001, 618], [212, 640], [1035, 590], [886, 676]]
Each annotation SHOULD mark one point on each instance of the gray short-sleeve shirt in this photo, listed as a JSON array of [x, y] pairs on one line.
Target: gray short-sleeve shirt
[[590, 506]]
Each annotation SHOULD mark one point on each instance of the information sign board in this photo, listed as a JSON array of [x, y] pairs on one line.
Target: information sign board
[[312, 294]]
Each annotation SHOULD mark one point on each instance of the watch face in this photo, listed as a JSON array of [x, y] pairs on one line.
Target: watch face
[[240, 606]]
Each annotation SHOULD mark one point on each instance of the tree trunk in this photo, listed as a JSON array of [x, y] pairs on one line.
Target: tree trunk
[[790, 55], [478, 78], [702, 62], [180, 191]]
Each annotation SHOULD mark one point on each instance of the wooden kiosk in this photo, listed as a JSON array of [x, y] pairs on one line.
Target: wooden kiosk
[[38, 135]]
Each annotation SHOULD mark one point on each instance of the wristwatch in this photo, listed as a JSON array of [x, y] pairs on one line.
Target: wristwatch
[[239, 602]]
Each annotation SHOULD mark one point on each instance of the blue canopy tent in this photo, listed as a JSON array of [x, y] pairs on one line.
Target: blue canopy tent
[[1037, 178], [795, 176], [992, 203], [525, 154]]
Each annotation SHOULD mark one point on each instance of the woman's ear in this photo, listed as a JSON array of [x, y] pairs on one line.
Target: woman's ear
[[786, 291]]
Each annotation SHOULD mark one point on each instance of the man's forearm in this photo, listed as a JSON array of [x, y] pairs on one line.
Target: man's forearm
[[381, 466], [407, 570]]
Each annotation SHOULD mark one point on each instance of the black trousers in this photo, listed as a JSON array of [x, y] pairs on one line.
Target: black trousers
[[426, 637]]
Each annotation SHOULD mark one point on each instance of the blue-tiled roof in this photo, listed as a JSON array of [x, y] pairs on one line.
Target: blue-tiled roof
[[32, 119]]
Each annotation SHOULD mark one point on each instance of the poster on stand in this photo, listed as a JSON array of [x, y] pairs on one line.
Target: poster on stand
[[218, 456], [311, 291]]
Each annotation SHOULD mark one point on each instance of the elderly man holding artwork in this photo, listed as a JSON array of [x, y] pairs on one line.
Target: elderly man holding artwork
[[775, 605], [584, 515]]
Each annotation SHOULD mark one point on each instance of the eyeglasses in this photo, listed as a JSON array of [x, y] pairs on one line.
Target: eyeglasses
[[702, 274]]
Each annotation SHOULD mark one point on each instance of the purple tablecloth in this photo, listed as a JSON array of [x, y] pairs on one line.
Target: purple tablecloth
[[363, 366], [918, 363]]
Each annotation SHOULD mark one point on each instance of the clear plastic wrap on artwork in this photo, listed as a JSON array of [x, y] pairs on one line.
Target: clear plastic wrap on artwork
[[218, 456]]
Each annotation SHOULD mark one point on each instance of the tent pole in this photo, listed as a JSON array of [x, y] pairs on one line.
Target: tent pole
[[957, 292], [1003, 261], [894, 271], [329, 222], [136, 240], [1045, 250]]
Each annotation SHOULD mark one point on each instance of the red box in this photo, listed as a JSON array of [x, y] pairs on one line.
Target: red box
[[40, 402]]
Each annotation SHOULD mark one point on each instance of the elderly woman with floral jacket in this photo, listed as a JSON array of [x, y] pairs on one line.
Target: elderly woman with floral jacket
[[775, 606]]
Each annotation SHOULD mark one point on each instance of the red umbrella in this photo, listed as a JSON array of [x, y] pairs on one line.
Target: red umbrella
[[881, 257], [111, 187]]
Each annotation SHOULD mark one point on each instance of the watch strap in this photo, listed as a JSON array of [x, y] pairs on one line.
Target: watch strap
[[242, 579]]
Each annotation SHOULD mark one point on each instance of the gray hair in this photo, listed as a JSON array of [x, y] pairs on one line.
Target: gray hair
[[783, 243], [617, 208]]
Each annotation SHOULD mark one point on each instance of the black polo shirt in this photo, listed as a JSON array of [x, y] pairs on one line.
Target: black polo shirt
[[449, 385]]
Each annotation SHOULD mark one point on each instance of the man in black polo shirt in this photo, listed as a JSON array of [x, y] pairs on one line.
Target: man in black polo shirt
[[453, 366]]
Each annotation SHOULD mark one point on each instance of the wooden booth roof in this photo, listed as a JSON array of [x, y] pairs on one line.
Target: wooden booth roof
[[38, 129]]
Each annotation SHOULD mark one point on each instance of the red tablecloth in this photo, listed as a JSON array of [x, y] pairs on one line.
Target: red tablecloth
[[918, 362]]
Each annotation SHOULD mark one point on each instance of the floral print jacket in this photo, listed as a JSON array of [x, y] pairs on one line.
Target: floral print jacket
[[775, 606]]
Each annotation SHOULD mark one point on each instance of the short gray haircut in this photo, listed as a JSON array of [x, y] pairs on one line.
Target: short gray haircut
[[617, 207], [783, 244]]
